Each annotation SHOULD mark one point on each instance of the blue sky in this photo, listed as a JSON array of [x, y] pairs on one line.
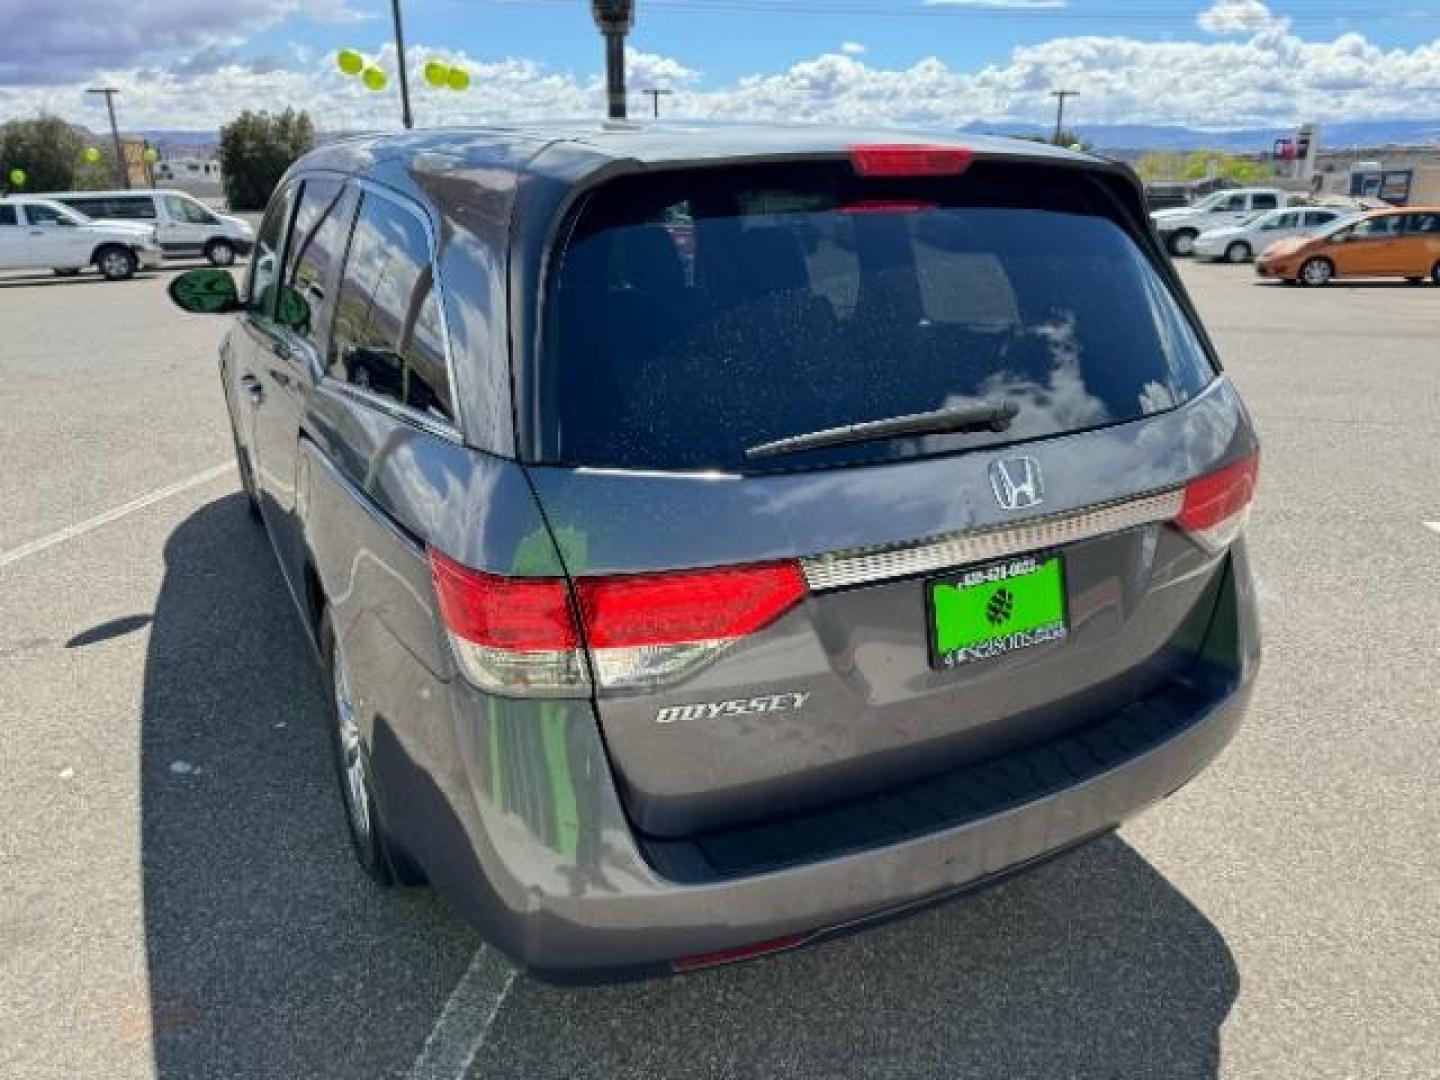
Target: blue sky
[[192, 64], [725, 43]]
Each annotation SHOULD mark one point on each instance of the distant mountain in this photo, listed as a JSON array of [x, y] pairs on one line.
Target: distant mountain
[[1114, 137], [1110, 137]]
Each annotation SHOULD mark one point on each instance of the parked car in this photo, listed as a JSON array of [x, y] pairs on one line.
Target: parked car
[[1240, 243], [1179, 228], [40, 234], [1384, 243], [184, 225], [680, 602]]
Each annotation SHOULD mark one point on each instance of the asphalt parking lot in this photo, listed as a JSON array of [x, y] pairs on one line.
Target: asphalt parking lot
[[177, 899]]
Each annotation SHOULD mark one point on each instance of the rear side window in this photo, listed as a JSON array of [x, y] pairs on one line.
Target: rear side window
[[1314, 218], [1265, 202], [7, 215], [315, 245], [387, 337], [693, 315], [116, 206]]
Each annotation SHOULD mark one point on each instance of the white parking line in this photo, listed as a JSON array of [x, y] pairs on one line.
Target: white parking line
[[34, 547], [465, 1021], [1433, 526]]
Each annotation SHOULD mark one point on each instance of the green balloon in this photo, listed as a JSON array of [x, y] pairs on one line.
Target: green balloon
[[150, 156], [91, 155], [374, 79], [437, 74], [349, 61], [459, 79], [18, 178]]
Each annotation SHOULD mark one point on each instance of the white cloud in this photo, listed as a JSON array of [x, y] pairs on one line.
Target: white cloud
[[852, 48], [1270, 77], [1238, 17]]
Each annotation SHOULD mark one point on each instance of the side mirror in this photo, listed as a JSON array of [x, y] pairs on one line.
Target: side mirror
[[292, 310], [205, 292]]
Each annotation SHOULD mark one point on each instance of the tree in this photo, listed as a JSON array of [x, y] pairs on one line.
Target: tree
[[256, 149], [1201, 165], [46, 149]]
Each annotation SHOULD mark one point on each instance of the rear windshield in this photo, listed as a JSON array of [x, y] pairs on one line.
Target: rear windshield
[[695, 314]]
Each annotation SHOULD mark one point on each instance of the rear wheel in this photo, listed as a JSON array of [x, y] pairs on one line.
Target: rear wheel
[[1182, 243], [1238, 252], [116, 263], [220, 253], [1317, 272], [381, 862]]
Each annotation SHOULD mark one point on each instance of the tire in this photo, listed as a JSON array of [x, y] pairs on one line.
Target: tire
[[1435, 273], [69, 271], [220, 253], [116, 263], [1238, 252], [1182, 243], [382, 862], [1317, 272]]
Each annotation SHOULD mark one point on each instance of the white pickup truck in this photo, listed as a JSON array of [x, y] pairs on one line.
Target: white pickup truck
[[41, 234], [1179, 227]]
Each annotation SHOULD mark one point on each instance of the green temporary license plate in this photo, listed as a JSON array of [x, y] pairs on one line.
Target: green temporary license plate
[[989, 611]]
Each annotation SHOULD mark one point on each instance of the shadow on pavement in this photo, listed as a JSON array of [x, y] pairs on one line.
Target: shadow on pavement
[[1089, 966], [269, 953]]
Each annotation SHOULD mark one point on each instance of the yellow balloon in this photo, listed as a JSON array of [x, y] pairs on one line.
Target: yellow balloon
[[18, 178], [150, 156], [374, 78], [437, 74], [349, 61], [459, 79], [91, 155]]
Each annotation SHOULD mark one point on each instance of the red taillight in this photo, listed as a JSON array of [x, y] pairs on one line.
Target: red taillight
[[733, 956], [883, 206], [1217, 504], [503, 612], [686, 607], [523, 635], [903, 160]]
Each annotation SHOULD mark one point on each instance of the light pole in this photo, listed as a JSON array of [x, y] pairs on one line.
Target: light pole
[[122, 174], [615, 18], [1060, 96], [406, 117], [655, 95]]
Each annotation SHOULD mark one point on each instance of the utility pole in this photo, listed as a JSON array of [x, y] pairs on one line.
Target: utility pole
[[406, 117], [1060, 96], [122, 174], [655, 96], [615, 19]]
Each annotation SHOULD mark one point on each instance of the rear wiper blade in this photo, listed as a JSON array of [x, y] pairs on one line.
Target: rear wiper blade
[[990, 416]]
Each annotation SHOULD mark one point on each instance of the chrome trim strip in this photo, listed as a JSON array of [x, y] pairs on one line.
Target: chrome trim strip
[[862, 566]]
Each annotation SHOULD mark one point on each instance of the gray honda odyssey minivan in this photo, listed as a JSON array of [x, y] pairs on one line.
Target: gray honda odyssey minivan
[[718, 537]]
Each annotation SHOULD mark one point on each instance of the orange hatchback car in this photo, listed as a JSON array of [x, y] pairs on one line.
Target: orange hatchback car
[[1384, 243]]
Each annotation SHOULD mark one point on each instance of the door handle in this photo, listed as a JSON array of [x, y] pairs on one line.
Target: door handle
[[253, 388]]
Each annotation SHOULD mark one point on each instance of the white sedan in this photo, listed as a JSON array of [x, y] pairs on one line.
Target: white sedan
[[1241, 243]]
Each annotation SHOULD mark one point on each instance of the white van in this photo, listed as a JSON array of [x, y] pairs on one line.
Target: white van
[[185, 226], [41, 234]]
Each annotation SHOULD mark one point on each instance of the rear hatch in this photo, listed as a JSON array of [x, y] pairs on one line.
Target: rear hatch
[[775, 624]]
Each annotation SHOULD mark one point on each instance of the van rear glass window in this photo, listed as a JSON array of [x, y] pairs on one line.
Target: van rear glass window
[[695, 314]]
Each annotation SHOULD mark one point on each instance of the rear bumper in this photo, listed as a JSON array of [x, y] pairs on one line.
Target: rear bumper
[[546, 863]]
